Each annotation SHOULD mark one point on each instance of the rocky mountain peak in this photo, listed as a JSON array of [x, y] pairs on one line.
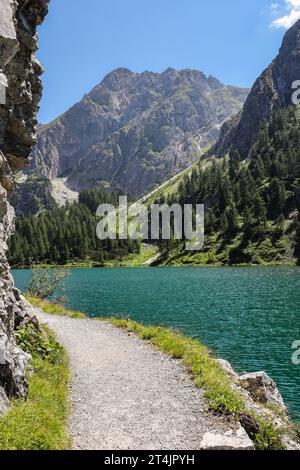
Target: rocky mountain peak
[[272, 90], [214, 82], [286, 67], [118, 79], [135, 130]]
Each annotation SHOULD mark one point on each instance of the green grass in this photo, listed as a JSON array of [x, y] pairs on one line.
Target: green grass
[[216, 252], [170, 188], [131, 260], [39, 422], [268, 437], [135, 259], [53, 308]]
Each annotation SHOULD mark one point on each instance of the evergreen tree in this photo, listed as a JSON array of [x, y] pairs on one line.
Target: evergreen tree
[[68, 233], [297, 239]]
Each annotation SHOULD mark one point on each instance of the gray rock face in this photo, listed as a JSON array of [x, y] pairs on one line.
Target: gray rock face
[[262, 389], [18, 42], [32, 195], [227, 367], [272, 90], [134, 131], [4, 403]]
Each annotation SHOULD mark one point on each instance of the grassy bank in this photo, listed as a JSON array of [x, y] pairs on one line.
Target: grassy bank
[[39, 422], [204, 369], [220, 252], [133, 260], [53, 308]]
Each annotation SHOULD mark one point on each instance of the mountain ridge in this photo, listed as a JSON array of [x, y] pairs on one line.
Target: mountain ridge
[[135, 130]]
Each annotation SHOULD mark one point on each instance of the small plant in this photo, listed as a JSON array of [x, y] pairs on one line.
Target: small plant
[[39, 423], [268, 437], [38, 343], [45, 282]]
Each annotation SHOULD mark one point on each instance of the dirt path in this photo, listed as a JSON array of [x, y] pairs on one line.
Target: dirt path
[[125, 394]]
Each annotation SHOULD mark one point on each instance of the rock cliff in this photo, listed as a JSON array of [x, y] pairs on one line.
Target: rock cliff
[[272, 90], [20, 92], [134, 131]]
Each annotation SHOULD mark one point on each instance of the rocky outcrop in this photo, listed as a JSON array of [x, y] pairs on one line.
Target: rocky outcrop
[[20, 93], [262, 389], [272, 90], [262, 400], [257, 386], [134, 131], [31, 195]]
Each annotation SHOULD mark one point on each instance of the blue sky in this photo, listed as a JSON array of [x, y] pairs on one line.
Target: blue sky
[[82, 40]]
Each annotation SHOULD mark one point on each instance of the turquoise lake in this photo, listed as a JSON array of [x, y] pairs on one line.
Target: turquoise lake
[[250, 316]]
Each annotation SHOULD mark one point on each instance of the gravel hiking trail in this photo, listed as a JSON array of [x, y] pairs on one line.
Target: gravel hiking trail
[[125, 394]]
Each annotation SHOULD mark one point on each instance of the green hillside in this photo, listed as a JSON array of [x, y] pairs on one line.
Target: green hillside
[[252, 204]]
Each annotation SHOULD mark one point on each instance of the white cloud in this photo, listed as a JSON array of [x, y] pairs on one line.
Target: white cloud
[[292, 14]]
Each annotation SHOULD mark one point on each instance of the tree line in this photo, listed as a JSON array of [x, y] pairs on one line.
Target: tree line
[[249, 201], [67, 234], [251, 198]]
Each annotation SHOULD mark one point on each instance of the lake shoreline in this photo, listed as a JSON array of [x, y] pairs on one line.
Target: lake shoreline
[[226, 393], [181, 265], [228, 309]]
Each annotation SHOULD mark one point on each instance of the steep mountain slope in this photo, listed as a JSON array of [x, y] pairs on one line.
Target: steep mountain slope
[[31, 195], [251, 192], [271, 91], [133, 131]]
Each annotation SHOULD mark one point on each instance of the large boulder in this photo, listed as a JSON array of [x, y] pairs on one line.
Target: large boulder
[[262, 389], [232, 440]]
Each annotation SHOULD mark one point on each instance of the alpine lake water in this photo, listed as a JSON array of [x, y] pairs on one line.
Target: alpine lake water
[[249, 316]]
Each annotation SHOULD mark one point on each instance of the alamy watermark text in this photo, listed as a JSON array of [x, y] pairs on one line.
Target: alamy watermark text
[[159, 222]]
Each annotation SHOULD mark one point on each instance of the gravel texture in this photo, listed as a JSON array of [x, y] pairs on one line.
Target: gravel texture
[[127, 395]]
